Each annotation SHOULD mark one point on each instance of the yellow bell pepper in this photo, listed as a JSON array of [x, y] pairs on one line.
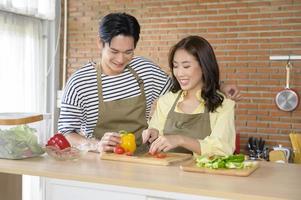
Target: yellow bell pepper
[[128, 141]]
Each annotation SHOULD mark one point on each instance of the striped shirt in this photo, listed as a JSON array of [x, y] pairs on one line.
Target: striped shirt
[[79, 106]]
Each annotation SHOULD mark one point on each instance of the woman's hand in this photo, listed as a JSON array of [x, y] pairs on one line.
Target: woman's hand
[[108, 142], [149, 135], [231, 91], [165, 143]]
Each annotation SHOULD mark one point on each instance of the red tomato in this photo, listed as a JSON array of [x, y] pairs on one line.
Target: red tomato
[[119, 150]]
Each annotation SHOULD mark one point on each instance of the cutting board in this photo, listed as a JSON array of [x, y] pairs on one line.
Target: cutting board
[[147, 159], [191, 167]]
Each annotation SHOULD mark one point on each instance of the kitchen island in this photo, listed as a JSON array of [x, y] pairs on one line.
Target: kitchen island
[[101, 179]]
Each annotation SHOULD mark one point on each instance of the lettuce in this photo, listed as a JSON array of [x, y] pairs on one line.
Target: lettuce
[[222, 162]]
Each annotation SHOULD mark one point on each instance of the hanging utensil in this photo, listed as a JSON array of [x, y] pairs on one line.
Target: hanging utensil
[[287, 99]]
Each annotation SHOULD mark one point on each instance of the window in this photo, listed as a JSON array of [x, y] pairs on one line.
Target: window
[[27, 60], [22, 68], [35, 8]]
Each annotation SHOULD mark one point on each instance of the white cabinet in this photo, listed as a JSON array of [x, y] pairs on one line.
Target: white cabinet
[[57, 189], [63, 192]]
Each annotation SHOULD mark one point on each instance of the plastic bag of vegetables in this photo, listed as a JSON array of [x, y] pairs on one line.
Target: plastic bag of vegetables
[[19, 142]]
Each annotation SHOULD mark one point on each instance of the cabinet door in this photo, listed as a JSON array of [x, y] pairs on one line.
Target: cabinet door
[[62, 190], [57, 189], [10, 187]]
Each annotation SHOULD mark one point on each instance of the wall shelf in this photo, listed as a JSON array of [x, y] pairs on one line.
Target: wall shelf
[[287, 57]]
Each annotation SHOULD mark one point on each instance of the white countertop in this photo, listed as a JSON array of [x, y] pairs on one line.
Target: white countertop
[[270, 181]]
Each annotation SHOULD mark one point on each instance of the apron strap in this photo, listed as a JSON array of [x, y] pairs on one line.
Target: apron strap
[[99, 83], [98, 70], [139, 80], [176, 101]]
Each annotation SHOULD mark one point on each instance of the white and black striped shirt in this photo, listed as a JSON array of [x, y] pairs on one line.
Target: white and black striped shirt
[[79, 108]]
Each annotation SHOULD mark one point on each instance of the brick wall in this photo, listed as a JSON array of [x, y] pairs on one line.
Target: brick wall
[[243, 33]]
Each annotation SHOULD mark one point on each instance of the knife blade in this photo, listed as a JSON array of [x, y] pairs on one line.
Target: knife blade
[[250, 143], [142, 149]]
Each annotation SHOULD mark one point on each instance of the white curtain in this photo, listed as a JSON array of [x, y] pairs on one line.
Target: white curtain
[[43, 9], [22, 75], [22, 68]]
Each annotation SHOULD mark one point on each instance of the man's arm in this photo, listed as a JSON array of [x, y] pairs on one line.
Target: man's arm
[[76, 139], [231, 91], [107, 143]]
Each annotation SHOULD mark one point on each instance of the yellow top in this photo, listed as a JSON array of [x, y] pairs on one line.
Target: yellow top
[[221, 141]]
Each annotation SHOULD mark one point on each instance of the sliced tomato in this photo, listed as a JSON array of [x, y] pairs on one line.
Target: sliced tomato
[[129, 153], [149, 154], [160, 155]]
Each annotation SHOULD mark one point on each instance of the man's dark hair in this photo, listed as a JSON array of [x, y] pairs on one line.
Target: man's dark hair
[[115, 24], [203, 52]]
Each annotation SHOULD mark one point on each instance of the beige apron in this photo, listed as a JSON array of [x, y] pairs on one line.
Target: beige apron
[[191, 125], [125, 114]]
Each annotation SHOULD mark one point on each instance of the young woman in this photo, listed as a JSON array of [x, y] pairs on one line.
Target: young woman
[[195, 116]]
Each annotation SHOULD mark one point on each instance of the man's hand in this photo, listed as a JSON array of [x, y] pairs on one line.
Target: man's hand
[[108, 142], [231, 91]]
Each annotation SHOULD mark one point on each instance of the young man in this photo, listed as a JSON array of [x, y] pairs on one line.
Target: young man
[[115, 94]]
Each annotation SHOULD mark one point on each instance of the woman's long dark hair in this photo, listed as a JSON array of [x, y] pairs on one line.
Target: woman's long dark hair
[[204, 54]]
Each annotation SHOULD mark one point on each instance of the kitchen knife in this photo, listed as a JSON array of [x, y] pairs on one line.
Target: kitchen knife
[[142, 149]]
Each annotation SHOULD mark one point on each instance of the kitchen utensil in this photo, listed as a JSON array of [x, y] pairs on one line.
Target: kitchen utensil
[[286, 151], [147, 158], [296, 144], [142, 149], [191, 167], [252, 153], [257, 149], [277, 156], [287, 99], [70, 153]]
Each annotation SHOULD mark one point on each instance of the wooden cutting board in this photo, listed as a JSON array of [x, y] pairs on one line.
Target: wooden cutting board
[[147, 159], [191, 167]]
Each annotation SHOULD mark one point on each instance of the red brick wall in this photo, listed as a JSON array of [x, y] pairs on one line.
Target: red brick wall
[[243, 33]]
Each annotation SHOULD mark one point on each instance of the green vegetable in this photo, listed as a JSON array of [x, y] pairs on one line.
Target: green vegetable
[[236, 158], [222, 162], [19, 142]]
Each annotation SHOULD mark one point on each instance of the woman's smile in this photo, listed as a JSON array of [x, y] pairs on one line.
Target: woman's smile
[[183, 82]]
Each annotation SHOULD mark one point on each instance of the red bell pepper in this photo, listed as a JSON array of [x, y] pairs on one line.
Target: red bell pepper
[[58, 141]]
